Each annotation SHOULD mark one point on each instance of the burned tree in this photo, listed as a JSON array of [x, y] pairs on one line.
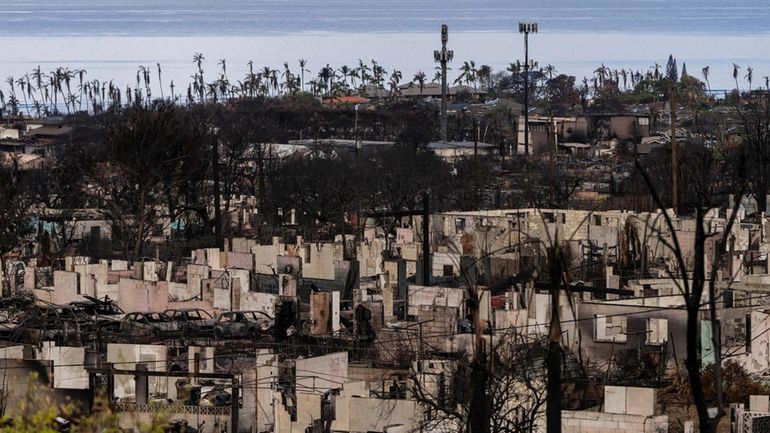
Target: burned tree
[[14, 215], [145, 159], [698, 279], [514, 386]]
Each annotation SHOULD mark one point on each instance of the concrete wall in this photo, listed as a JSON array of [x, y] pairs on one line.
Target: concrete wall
[[240, 260], [323, 257], [321, 373], [242, 245], [196, 273], [441, 259], [495, 230], [758, 358], [266, 372], [265, 257], [257, 301], [126, 356], [90, 276], [370, 258], [180, 291], [26, 381], [629, 400], [65, 287], [598, 422], [68, 365], [380, 413], [636, 328], [434, 296], [138, 295], [205, 359], [82, 229]]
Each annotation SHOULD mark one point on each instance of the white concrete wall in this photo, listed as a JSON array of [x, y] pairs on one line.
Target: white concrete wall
[[758, 359], [323, 256], [126, 356], [258, 301], [265, 257], [629, 400], [68, 365], [598, 422], [321, 373], [434, 296], [380, 413], [266, 373], [370, 258]]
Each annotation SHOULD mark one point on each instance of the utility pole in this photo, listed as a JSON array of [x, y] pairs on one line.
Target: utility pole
[[215, 172], [426, 262], [674, 161], [235, 404], [480, 408], [358, 141], [443, 57], [526, 29]]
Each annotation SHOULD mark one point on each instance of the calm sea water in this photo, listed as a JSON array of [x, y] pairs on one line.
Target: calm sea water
[[259, 17], [111, 38]]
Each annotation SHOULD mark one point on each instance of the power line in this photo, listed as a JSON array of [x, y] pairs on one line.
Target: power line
[[425, 336]]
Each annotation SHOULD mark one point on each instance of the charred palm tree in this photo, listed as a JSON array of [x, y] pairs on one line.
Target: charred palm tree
[[302, 70], [290, 81], [22, 84], [705, 73], [198, 60], [749, 77], [160, 82], [10, 80], [363, 72]]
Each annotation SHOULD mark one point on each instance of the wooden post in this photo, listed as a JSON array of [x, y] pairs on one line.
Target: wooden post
[[235, 404]]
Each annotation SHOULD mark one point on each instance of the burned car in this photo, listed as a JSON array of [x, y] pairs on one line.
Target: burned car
[[105, 314], [149, 324], [50, 322], [98, 307], [242, 324], [192, 322]]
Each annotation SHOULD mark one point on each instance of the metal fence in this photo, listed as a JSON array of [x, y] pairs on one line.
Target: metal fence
[[172, 409]]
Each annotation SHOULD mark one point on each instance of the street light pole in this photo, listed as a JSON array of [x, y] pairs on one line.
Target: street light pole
[[443, 57], [526, 29]]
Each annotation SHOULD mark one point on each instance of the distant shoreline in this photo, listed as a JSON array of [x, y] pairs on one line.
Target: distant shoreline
[[118, 57]]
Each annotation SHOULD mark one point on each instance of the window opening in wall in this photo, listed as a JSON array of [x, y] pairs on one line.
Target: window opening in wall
[[460, 225], [610, 328], [657, 331]]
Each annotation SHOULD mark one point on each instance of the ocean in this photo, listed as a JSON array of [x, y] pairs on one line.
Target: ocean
[[110, 39]]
